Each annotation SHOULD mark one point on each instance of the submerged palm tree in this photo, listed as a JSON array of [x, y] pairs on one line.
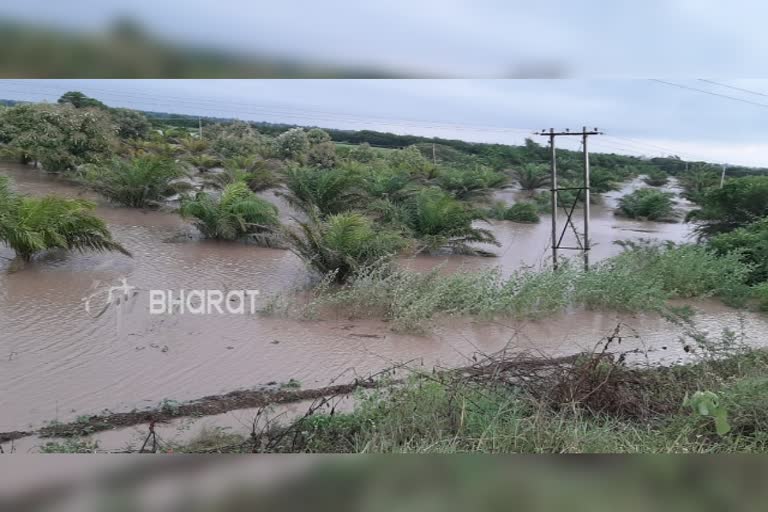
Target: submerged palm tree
[[138, 182], [477, 183], [32, 225], [342, 243], [438, 220], [531, 176], [330, 191], [237, 213]]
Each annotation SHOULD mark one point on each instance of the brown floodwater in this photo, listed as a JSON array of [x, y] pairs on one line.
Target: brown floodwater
[[58, 361]]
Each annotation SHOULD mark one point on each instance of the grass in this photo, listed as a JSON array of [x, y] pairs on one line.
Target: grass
[[643, 278], [591, 403]]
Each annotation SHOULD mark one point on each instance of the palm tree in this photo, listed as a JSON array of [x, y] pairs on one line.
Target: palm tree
[[464, 184], [438, 220], [342, 243], [331, 191], [257, 173], [531, 176], [138, 182], [32, 225], [237, 213]]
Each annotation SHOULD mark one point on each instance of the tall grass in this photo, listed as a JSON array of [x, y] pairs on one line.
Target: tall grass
[[643, 278]]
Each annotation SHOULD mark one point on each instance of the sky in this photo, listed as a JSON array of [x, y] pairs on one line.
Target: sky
[[639, 117]]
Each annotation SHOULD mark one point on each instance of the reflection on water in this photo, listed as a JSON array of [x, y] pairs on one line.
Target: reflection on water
[[57, 361]]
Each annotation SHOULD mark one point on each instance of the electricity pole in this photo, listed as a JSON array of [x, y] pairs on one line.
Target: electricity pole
[[557, 235], [722, 177], [200, 126]]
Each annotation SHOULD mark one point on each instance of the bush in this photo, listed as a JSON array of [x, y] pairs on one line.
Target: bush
[[740, 202], [751, 244], [292, 144], [647, 203], [138, 182], [522, 212], [322, 155], [236, 214], [656, 178]]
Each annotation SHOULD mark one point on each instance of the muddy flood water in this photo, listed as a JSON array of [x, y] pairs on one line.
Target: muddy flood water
[[58, 361]]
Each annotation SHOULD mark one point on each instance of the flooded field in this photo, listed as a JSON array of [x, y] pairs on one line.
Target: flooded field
[[58, 361]]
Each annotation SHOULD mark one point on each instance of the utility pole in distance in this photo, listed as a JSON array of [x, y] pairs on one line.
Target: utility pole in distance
[[557, 236], [722, 177]]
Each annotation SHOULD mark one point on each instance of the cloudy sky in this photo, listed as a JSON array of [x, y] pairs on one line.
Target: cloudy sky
[[640, 117]]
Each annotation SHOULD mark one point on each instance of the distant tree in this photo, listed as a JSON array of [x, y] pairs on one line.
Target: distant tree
[[79, 100], [292, 144], [131, 124], [318, 136]]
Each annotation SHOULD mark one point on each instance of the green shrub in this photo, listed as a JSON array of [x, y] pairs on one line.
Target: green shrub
[[522, 212], [751, 243], [647, 203], [740, 202], [656, 178]]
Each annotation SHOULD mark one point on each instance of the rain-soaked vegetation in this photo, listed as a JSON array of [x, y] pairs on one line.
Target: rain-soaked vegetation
[[358, 200]]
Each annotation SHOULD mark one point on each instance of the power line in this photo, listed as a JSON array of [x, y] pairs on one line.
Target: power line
[[733, 87], [709, 92]]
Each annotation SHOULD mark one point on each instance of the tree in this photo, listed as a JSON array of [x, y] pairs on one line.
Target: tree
[[32, 225], [318, 136], [329, 191], [647, 203], [464, 184], [79, 100], [342, 243], [292, 144], [322, 155], [139, 182], [131, 124], [59, 137], [438, 220], [531, 176], [740, 202], [237, 213], [363, 153]]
